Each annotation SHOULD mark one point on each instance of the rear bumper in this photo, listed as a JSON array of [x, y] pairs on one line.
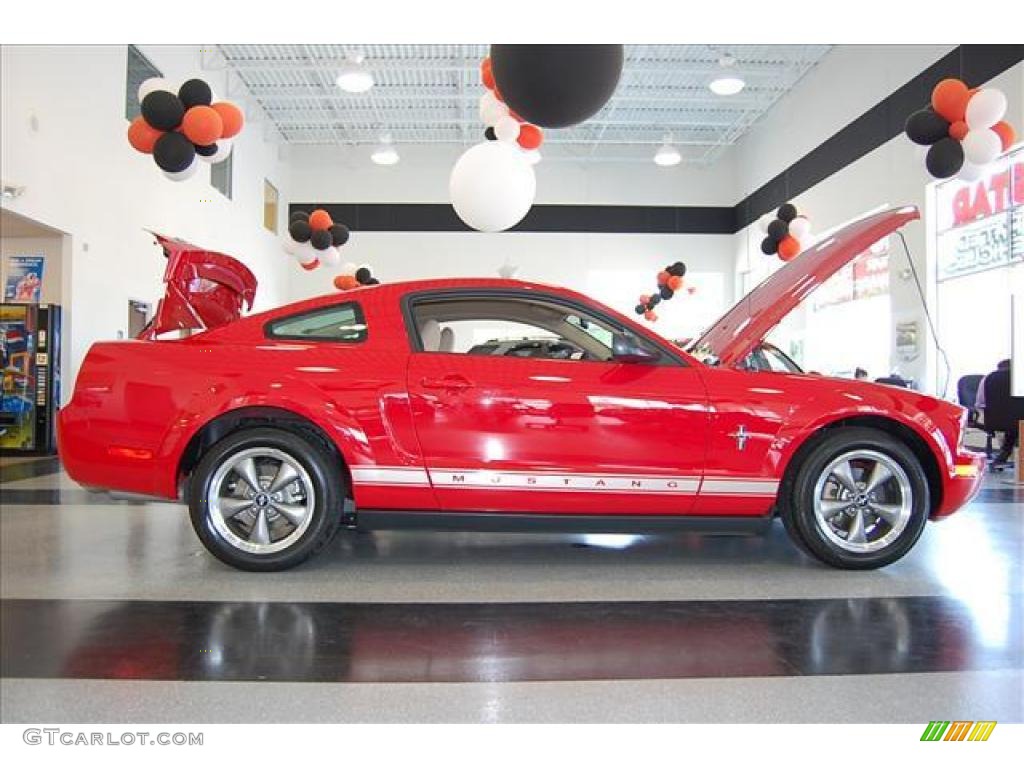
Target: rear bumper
[[964, 484]]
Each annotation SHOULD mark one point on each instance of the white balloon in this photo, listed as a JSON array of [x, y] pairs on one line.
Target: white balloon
[[348, 269], [290, 246], [188, 173], [494, 113], [305, 253], [507, 129], [764, 221], [330, 257], [982, 146], [986, 108], [146, 87], [532, 156], [971, 172], [492, 186], [224, 147], [800, 227]]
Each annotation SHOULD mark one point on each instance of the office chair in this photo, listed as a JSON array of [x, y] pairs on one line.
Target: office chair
[[894, 381], [967, 396], [1002, 411]]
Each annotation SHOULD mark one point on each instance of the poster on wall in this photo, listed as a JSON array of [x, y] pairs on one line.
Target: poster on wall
[[24, 279]]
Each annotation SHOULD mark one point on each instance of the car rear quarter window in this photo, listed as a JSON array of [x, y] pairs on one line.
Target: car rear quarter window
[[339, 323]]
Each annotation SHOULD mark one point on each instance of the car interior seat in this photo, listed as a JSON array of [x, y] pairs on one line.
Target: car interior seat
[[430, 335], [447, 340]]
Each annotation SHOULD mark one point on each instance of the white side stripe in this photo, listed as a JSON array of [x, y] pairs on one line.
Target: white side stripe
[[715, 486], [390, 476]]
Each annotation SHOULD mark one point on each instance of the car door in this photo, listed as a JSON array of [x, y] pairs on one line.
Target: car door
[[503, 433]]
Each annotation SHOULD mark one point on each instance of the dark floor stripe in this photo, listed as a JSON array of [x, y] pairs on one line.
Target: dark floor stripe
[[479, 642], [23, 470], [60, 497], [997, 495]]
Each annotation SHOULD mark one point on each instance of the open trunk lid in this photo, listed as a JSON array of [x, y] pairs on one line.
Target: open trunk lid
[[203, 289], [744, 326]]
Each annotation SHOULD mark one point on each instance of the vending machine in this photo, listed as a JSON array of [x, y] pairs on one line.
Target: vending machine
[[30, 357]]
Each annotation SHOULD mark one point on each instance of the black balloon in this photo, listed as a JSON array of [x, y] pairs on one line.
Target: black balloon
[[654, 301], [787, 213], [373, 281], [555, 86], [209, 150], [945, 158], [639, 309], [299, 216], [362, 275], [769, 246], [778, 229], [163, 110], [339, 234], [926, 127], [195, 92], [300, 231], [173, 152], [666, 292], [321, 239], [677, 270], [489, 134]]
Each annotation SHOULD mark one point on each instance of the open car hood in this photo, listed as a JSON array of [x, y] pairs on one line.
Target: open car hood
[[203, 289], [742, 328]]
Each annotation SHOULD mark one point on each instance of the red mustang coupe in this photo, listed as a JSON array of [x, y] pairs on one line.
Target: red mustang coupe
[[394, 406]]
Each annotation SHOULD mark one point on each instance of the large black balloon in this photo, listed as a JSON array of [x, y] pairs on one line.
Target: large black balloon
[[654, 301], [300, 231], [786, 212], [195, 92], [778, 229], [555, 86], [339, 234], [639, 309], [678, 269], [769, 246], [926, 127], [666, 292], [207, 150], [299, 216], [363, 276], [173, 152], [163, 110], [321, 239], [945, 158]]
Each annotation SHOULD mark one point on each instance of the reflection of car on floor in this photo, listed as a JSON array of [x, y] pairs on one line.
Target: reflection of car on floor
[[267, 425]]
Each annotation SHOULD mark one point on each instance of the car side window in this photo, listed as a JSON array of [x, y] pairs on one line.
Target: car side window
[[339, 323]]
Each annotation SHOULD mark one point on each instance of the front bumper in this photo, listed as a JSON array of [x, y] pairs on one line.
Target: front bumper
[[964, 484]]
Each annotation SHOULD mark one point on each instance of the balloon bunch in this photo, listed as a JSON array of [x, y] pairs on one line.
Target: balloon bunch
[[787, 233], [502, 123], [314, 238], [963, 129], [670, 280], [352, 276], [180, 127]]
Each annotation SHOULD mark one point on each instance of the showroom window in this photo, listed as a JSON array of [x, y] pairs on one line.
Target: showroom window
[[138, 70], [221, 175], [342, 323], [270, 205]]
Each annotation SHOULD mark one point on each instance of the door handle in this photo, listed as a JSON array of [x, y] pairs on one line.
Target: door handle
[[446, 382]]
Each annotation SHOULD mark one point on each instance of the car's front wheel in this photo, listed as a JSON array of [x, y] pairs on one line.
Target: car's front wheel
[[265, 499], [859, 499]]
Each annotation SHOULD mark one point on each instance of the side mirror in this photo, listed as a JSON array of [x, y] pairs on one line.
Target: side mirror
[[627, 350]]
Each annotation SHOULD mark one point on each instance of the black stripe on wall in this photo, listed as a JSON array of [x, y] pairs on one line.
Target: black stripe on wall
[[973, 63]]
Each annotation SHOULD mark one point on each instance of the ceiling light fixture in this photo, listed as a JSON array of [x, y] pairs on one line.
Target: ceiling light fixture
[[727, 83], [385, 153], [667, 155], [354, 76]]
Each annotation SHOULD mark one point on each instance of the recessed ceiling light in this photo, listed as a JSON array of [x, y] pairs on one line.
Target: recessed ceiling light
[[354, 76], [385, 153], [667, 155], [726, 86]]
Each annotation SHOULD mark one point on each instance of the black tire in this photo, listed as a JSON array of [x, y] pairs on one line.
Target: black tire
[[798, 506], [324, 474]]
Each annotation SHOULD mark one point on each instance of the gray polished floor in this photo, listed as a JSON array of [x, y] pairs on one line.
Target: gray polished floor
[[59, 544]]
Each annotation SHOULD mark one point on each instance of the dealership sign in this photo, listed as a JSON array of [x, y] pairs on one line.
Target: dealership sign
[[981, 223]]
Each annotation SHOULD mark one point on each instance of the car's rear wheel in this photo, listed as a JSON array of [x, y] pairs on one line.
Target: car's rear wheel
[[859, 500], [266, 499]]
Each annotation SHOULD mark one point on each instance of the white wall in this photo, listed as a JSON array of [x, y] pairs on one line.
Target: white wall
[[849, 81], [63, 139]]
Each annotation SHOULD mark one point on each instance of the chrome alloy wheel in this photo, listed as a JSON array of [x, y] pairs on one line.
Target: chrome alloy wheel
[[261, 500], [863, 501]]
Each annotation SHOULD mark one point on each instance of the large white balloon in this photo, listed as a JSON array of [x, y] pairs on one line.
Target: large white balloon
[[348, 269], [492, 186], [507, 129], [986, 108], [146, 87], [290, 246], [981, 146], [800, 227], [306, 254], [330, 257], [188, 173], [492, 110], [224, 147], [970, 172], [532, 156]]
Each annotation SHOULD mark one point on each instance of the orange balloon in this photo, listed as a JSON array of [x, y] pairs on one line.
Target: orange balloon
[[311, 265], [486, 74], [675, 282], [949, 99], [789, 247], [530, 136], [958, 130], [202, 125], [650, 315], [231, 116], [1006, 134], [142, 136], [663, 277], [346, 282], [320, 219]]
